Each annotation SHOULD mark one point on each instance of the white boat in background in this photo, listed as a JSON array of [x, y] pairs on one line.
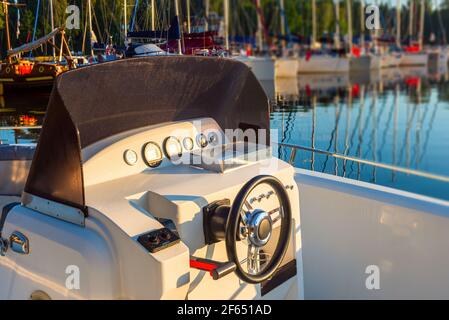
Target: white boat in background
[[323, 63], [262, 67], [375, 61], [360, 64], [438, 55], [286, 67], [391, 59], [414, 59]]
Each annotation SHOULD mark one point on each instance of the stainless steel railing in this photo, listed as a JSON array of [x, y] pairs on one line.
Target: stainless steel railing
[[418, 173], [21, 128]]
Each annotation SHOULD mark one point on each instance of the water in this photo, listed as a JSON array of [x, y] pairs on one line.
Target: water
[[396, 117]]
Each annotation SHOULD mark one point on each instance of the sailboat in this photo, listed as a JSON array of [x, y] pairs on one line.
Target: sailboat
[[262, 66], [318, 61], [414, 54], [17, 72], [391, 58], [285, 66]]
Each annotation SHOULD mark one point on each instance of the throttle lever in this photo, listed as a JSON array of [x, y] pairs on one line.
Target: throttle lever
[[216, 269]]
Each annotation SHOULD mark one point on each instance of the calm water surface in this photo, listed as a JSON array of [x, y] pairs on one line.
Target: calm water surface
[[398, 117]]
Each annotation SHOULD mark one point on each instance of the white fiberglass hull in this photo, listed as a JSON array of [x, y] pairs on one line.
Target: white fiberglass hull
[[375, 61], [286, 67], [391, 60], [360, 64], [414, 59], [323, 64], [438, 55], [262, 67], [371, 242]]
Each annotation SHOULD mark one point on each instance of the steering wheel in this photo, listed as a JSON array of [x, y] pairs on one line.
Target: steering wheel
[[254, 227]]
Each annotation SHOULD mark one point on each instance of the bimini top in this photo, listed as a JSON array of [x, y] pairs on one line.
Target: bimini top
[[93, 103]]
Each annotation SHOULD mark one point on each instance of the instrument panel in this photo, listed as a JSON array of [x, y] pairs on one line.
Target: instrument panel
[[149, 148]]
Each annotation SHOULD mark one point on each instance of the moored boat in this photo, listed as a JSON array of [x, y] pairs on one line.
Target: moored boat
[[323, 63], [18, 72]]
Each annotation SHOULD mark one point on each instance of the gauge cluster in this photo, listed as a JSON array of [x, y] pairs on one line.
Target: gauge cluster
[[172, 147]]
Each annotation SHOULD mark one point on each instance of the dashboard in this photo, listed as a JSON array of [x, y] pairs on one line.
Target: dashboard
[[149, 148]]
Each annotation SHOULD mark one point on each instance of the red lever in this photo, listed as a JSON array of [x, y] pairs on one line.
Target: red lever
[[202, 265], [217, 270]]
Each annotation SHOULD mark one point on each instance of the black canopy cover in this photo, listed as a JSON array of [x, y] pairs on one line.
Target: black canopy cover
[[96, 102]]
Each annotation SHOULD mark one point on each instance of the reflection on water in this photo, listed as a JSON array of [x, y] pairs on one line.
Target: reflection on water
[[24, 110], [396, 116]]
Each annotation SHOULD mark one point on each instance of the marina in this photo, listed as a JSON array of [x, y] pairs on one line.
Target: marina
[[224, 150]]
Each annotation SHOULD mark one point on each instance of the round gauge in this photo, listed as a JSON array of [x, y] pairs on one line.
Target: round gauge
[[152, 154], [130, 157], [188, 143], [202, 141], [213, 138], [172, 148]]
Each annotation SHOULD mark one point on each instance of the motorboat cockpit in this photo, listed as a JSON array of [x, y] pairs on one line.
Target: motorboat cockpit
[[157, 178], [161, 186]]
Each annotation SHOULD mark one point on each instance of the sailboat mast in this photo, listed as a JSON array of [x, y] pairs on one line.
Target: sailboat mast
[[133, 21], [283, 23], [259, 26], [421, 24], [125, 16], [153, 15], [410, 21], [313, 22], [36, 19], [348, 9], [177, 14], [52, 21], [226, 23], [362, 24], [207, 9], [189, 28], [398, 23], [89, 4], [8, 37], [337, 24]]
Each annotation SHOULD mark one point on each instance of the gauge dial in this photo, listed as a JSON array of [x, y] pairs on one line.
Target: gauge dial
[[152, 154], [201, 140], [213, 138], [130, 157], [172, 148], [188, 143]]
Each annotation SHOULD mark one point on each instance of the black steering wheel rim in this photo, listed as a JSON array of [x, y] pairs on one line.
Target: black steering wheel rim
[[233, 224]]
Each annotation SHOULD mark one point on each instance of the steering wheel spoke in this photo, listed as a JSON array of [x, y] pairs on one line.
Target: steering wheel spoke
[[254, 228]]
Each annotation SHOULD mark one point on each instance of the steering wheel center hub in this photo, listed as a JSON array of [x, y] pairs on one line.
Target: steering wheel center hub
[[260, 226]]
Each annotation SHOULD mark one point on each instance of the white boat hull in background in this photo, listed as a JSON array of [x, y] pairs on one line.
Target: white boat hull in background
[[262, 67], [360, 64], [391, 60], [375, 61], [323, 64], [286, 67], [439, 55], [414, 59]]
